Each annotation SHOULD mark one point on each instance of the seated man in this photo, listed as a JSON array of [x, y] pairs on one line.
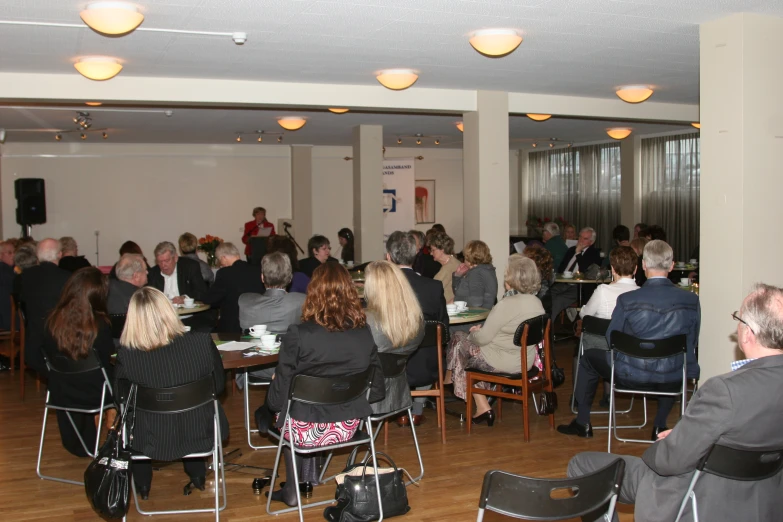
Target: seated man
[[71, 260], [131, 275], [656, 311], [178, 277], [188, 244], [275, 308], [578, 258], [235, 278], [554, 242], [740, 409]]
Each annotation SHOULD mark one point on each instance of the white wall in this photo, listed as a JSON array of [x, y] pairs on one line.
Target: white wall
[[146, 193]]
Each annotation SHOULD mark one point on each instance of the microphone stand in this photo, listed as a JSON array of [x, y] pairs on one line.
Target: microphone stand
[[287, 233]]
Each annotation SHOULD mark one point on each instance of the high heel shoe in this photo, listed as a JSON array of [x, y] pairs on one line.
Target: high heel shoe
[[488, 417], [305, 489]]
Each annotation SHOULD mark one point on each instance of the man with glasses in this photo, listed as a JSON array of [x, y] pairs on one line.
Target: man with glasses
[[657, 310], [740, 409]]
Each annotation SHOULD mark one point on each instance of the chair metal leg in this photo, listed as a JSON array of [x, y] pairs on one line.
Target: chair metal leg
[[275, 469], [247, 416], [375, 462], [418, 450], [41, 446], [480, 516]]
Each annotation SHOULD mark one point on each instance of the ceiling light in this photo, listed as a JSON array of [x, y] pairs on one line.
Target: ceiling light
[[634, 93], [279, 139], [495, 42], [260, 139], [461, 126], [58, 137], [2, 135], [292, 123], [397, 79], [535, 145], [98, 67], [83, 136], [697, 125], [619, 133], [105, 136], [437, 142], [239, 139], [399, 141], [569, 145], [338, 111], [418, 141], [112, 17], [94, 104], [539, 117]]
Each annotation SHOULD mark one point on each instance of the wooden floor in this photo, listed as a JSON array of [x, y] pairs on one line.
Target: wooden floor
[[448, 492]]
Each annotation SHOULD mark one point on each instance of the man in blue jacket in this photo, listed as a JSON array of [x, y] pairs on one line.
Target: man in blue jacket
[[656, 311]]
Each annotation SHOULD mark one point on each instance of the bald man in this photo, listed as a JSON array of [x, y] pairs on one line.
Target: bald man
[[40, 289]]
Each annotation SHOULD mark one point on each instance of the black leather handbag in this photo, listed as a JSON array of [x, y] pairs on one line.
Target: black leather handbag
[[357, 499], [107, 478]]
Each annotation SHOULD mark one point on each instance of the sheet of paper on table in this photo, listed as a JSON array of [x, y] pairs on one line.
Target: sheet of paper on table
[[235, 346]]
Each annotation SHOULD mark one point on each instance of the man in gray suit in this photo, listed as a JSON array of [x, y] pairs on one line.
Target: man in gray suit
[[741, 409], [275, 308]]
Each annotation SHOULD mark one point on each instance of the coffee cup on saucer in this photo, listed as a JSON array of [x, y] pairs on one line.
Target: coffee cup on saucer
[[461, 305], [189, 302], [268, 340], [257, 330], [685, 281], [451, 309], [349, 263], [694, 262]]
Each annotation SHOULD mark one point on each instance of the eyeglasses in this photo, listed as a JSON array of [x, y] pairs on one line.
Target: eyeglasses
[[736, 317]]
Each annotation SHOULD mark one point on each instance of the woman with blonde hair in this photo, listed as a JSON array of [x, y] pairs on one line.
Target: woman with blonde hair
[[156, 351], [397, 324], [490, 347]]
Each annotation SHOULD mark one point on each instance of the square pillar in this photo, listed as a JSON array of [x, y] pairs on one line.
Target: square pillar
[[486, 177], [302, 192], [741, 166], [631, 181], [368, 192]]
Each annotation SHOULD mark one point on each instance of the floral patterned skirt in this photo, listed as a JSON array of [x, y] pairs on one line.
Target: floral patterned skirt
[[464, 354], [317, 434]]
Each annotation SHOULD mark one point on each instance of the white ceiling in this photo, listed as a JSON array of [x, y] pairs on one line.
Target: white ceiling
[[571, 47]]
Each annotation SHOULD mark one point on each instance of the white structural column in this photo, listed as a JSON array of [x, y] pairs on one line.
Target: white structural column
[[368, 192], [741, 173], [486, 176], [631, 181], [524, 191], [302, 192]]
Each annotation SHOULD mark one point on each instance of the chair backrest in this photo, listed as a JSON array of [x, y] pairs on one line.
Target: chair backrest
[[117, 324], [530, 498], [536, 327], [392, 364], [648, 348], [309, 389], [177, 399], [431, 333], [66, 365], [740, 464], [594, 325]]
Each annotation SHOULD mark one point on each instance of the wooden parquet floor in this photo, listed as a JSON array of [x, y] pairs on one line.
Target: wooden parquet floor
[[448, 492]]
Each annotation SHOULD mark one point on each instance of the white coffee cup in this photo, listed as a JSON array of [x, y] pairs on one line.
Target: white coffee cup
[[685, 281], [694, 261], [451, 308], [187, 328], [461, 305], [189, 302], [257, 330], [350, 263], [568, 274], [680, 263], [268, 340]]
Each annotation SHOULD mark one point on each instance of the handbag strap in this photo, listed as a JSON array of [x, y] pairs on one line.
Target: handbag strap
[[386, 457]]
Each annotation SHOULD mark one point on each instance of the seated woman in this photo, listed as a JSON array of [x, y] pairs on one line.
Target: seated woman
[[78, 325], [319, 250], [128, 247], [442, 249], [299, 280], [155, 351], [397, 324], [188, 246], [491, 347], [332, 341], [345, 237], [545, 264], [475, 280]]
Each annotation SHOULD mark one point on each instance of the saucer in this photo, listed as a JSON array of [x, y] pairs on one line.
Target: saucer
[[452, 313], [189, 307], [275, 347], [684, 286]]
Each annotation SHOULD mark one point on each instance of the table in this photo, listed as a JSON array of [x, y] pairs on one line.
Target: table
[[235, 360], [200, 307], [473, 315]]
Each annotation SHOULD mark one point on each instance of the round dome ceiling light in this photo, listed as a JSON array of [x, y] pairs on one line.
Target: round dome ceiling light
[[634, 93], [98, 68], [618, 133], [112, 17], [539, 117], [292, 123], [397, 79], [495, 43]]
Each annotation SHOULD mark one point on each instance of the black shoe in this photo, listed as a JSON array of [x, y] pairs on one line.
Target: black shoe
[[656, 430], [144, 493], [278, 497], [199, 482], [488, 417], [586, 432], [305, 489]]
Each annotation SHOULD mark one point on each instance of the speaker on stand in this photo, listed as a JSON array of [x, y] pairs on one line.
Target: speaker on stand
[[30, 203]]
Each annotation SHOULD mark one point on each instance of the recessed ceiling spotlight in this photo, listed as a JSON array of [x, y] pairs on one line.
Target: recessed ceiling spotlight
[[112, 17], [58, 137], [634, 93], [618, 133], [292, 123], [105, 136], [338, 111], [94, 104], [495, 43], [399, 141], [397, 79], [461, 126], [696, 125], [98, 68], [539, 117]]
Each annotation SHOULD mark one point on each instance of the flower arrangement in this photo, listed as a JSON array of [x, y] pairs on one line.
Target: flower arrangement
[[208, 244]]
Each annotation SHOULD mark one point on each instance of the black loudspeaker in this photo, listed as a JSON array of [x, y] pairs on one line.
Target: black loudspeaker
[[30, 201]]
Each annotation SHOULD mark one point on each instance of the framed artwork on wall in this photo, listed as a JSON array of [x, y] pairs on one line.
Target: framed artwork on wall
[[425, 201]]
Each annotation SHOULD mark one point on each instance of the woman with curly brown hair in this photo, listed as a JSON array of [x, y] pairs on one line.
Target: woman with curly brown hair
[[333, 340]]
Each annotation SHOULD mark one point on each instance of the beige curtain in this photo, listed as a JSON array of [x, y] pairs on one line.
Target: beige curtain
[[579, 184], [670, 189]]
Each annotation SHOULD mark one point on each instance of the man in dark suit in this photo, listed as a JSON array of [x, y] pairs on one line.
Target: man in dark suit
[[40, 288], [71, 260], [235, 278], [422, 367], [176, 276], [131, 275], [741, 409], [578, 258]]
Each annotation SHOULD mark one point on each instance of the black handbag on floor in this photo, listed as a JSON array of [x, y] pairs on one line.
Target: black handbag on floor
[[357, 499], [107, 478]]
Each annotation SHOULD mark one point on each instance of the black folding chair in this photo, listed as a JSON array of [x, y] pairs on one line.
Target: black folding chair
[[174, 401], [528, 498], [321, 391], [644, 349], [732, 464], [83, 367], [117, 324]]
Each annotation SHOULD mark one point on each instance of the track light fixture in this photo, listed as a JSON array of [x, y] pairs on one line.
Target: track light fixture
[[260, 139], [437, 142], [239, 139], [83, 136], [535, 145], [551, 145], [418, 141], [105, 136], [279, 139], [58, 137], [399, 141]]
